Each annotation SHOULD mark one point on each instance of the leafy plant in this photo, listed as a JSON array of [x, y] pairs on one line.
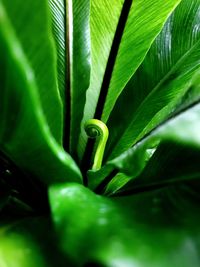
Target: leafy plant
[[68, 69]]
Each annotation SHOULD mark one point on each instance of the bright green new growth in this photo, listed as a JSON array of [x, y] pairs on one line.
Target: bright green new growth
[[97, 129]]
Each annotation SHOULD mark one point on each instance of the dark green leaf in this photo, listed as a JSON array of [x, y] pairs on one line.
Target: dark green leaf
[[132, 231], [161, 82], [172, 163], [24, 133], [182, 128], [73, 52], [79, 64], [34, 35], [58, 29], [104, 17], [145, 20]]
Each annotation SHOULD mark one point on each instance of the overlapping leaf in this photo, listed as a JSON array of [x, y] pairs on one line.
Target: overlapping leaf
[[92, 229], [127, 231], [72, 35], [182, 128], [104, 17], [145, 20], [34, 35], [79, 64], [24, 133], [161, 82], [172, 163]]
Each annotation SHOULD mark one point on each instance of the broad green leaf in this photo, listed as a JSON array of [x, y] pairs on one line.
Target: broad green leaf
[[117, 172], [172, 163], [34, 35], [104, 16], [24, 133], [145, 20], [130, 231], [182, 129], [73, 52], [29, 243], [161, 81]]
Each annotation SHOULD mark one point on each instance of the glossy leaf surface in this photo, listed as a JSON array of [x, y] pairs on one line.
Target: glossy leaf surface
[[24, 133], [78, 17], [72, 35], [127, 231], [104, 17], [37, 42], [148, 212], [182, 129], [178, 164], [144, 22], [161, 82]]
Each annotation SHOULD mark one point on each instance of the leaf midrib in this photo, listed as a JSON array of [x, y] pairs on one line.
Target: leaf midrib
[[155, 89], [177, 64], [112, 57], [115, 46], [68, 77]]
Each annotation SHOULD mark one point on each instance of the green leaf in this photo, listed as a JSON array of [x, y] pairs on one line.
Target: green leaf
[[145, 20], [161, 81], [24, 133], [116, 183], [34, 35], [181, 128], [104, 17], [73, 52], [172, 163], [78, 16], [29, 243], [58, 29], [127, 231]]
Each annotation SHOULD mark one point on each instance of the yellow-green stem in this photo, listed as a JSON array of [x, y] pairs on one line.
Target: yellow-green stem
[[97, 129]]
